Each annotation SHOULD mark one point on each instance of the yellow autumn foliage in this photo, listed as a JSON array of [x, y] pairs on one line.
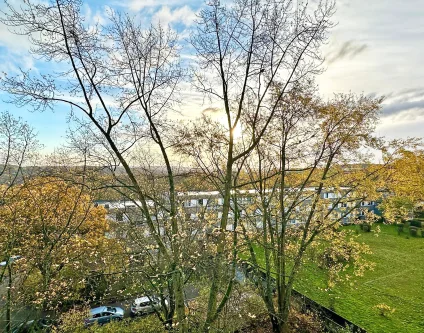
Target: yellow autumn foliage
[[60, 235]]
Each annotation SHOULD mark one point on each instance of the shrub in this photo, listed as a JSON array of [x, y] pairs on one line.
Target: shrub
[[419, 214], [366, 227], [305, 322], [413, 231], [384, 310], [415, 223], [73, 322], [148, 324], [400, 228], [338, 329]]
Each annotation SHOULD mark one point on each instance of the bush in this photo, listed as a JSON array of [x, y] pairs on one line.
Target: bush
[[365, 227], [73, 322], [346, 329], [413, 231], [400, 228], [419, 214], [415, 223], [148, 324], [242, 312], [384, 310], [305, 322]]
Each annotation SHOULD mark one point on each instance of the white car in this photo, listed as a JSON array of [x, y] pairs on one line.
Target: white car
[[145, 305]]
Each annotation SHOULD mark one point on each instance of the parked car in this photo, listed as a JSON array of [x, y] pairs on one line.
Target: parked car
[[38, 325], [145, 305], [104, 314]]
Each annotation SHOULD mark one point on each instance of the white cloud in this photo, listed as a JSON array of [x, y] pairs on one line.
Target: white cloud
[[16, 53], [15, 43], [396, 127], [166, 16], [137, 5], [93, 18]]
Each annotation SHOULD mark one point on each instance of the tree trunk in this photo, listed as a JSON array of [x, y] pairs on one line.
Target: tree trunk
[[9, 300], [219, 258], [179, 300]]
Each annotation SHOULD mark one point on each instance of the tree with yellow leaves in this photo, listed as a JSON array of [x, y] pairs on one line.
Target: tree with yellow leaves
[[18, 146], [60, 236], [310, 175], [404, 184]]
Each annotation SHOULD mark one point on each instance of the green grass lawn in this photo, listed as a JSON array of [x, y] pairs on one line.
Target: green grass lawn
[[397, 280]]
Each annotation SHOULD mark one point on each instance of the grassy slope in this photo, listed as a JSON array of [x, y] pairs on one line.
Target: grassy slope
[[397, 280]]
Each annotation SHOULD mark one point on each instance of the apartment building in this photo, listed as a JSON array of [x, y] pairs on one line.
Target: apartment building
[[195, 204]]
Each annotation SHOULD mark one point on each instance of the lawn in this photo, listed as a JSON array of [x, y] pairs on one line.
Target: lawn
[[397, 280]]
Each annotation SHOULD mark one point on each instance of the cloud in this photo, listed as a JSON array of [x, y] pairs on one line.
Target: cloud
[[137, 5], [349, 50], [14, 52], [405, 104], [166, 16], [407, 94], [396, 108], [13, 42], [393, 128]]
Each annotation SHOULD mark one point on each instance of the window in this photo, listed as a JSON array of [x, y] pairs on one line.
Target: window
[[200, 202], [97, 315]]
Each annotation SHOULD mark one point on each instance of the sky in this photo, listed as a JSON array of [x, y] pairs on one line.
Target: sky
[[376, 49]]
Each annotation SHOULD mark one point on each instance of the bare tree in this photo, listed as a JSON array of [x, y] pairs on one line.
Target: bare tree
[[119, 82], [243, 49]]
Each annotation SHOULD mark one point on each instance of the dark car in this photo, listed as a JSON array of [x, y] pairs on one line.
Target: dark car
[[104, 314]]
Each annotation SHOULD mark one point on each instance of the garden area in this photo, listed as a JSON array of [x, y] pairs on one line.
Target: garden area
[[388, 299]]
